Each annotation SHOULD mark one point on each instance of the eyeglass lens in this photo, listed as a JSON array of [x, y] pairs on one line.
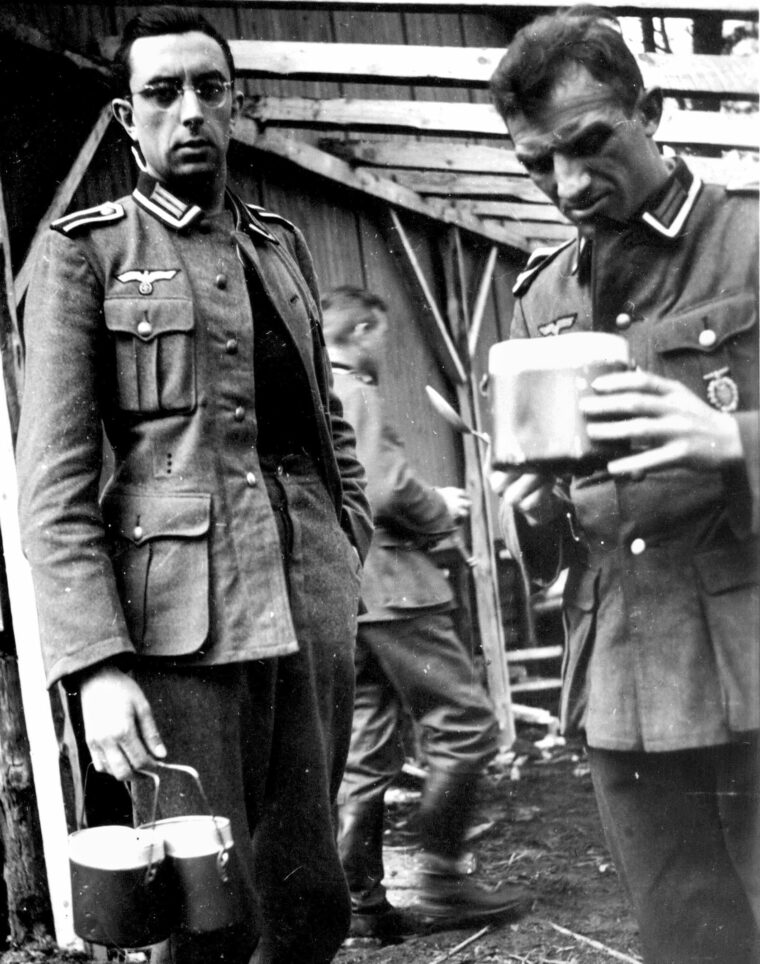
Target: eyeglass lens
[[164, 94]]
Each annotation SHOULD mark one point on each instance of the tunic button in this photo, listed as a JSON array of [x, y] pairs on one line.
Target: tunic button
[[144, 328], [221, 281], [623, 320], [638, 546], [707, 338], [250, 479], [138, 532], [239, 413], [232, 346]]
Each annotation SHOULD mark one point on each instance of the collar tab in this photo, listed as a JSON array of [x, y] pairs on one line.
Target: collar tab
[[667, 211], [154, 198]]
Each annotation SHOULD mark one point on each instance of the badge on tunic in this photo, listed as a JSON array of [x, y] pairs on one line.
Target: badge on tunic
[[558, 325], [146, 279], [722, 390]]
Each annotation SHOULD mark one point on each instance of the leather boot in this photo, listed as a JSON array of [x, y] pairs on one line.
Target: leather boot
[[447, 892], [360, 845]]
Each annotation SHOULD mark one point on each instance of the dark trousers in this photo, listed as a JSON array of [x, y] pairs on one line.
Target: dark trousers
[[419, 665], [269, 739], [684, 831]]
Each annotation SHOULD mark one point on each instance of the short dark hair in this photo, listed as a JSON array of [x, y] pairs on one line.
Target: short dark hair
[[344, 307], [542, 50], [155, 23]]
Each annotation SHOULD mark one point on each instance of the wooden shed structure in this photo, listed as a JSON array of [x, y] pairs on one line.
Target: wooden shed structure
[[368, 123]]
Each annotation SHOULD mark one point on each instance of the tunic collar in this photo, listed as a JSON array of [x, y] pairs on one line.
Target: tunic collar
[[154, 198], [177, 214], [667, 210]]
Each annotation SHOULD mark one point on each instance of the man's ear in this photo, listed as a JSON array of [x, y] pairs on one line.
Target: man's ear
[[650, 107], [123, 112]]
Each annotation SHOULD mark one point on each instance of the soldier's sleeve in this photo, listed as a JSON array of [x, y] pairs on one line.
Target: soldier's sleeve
[[59, 456], [400, 499]]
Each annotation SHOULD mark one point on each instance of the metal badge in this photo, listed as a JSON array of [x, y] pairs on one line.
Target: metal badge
[[558, 325], [722, 390], [146, 279]]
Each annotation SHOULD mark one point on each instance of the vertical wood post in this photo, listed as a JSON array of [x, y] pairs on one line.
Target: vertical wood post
[[40, 757]]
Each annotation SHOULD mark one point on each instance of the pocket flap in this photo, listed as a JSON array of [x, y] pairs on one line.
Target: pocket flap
[[725, 317], [143, 517], [146, 318], [728, 567]]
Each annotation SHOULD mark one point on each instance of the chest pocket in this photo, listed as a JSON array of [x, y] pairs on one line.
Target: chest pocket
[[155, 350], [708, 338]]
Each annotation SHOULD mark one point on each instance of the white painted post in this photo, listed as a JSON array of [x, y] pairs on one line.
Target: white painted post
[[39, 720]]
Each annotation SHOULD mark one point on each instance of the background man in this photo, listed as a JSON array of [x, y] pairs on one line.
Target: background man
[[408, 655], [662, 670], [205, 607]]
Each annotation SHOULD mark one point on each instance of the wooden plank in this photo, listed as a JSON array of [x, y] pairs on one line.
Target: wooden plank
[[447, 350], [62, 198], [533, 653], [745, 9], [430, 155], [485, 186], [478, 311], [43, 742], [516, 212], [399, 153], [536, 685], [325, 165], [471, 66], [476, 120]]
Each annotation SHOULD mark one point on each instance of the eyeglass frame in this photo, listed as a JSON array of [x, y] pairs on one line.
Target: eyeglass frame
[[179, 90]]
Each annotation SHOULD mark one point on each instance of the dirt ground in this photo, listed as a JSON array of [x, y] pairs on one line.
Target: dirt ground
[[540, 830], [545, 836]]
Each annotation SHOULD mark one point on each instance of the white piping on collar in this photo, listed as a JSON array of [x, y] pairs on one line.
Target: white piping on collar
[[163, 214], [680, 219]]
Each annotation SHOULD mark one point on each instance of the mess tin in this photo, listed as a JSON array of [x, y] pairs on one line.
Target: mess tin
[[202, 866], [535, 386], [120, 886]]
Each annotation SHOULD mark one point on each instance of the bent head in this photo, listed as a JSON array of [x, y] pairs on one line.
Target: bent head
[[178, 105], [583, 125], [355, 323]]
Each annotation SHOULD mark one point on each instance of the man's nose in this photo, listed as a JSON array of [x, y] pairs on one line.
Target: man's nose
[[191, 111], [571, 176]]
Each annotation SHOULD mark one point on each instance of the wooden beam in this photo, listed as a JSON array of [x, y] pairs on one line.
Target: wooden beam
[[43, 744], [471, 66], [480, 303], [453, 185], [744, 9], [516, 212], [11, 345], [475, 120], [62, 198], [430, 156], [400, 153], [539, 233], [325, 165], [447, 352]]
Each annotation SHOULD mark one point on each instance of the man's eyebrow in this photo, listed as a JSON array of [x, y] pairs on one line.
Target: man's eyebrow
[[594, 129], [160, 78]]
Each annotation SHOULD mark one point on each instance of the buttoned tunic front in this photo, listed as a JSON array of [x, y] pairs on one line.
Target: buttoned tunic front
[[139, 319], [661, 603]]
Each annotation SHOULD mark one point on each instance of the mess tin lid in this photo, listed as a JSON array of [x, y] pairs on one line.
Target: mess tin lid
[[569, 351], [194, 835], [115, 847]]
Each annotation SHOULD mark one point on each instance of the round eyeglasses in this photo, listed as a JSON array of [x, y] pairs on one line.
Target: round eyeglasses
[[165, 93]]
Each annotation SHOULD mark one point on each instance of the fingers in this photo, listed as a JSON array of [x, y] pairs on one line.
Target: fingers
[[151, 738], [633, 381], [638, 464]]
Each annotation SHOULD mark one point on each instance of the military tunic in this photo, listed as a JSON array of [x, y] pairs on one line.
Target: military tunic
[[661, 603]]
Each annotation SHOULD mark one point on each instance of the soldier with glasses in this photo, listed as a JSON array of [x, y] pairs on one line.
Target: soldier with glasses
[[203, 606]]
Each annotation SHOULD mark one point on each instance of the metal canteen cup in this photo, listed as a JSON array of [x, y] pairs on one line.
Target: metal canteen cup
[[535, 386], [203, 866], [120, 887]]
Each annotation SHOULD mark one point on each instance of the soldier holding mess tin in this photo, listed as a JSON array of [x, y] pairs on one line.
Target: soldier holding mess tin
[[662, 666]]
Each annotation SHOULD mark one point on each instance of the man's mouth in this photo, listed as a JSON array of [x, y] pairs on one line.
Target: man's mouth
[[584, 209]]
